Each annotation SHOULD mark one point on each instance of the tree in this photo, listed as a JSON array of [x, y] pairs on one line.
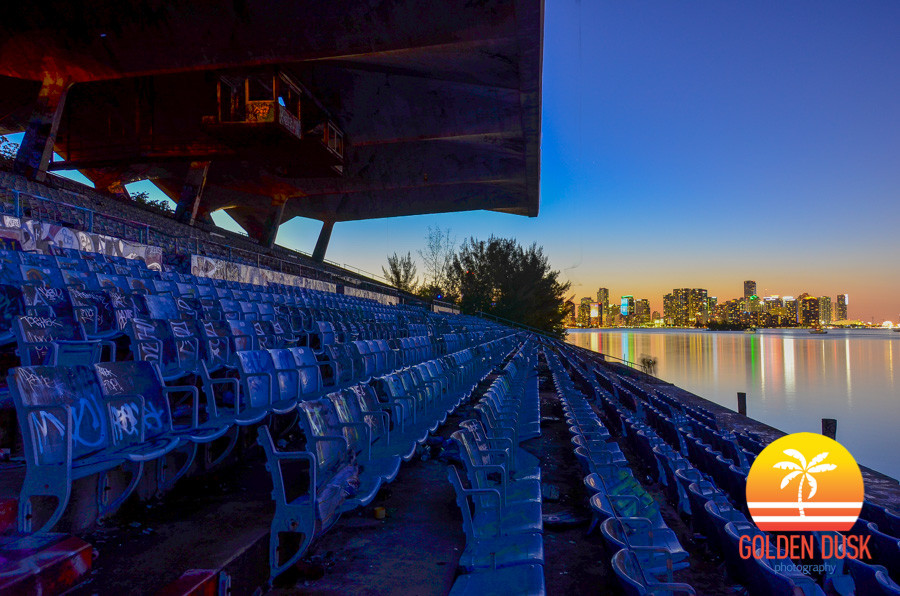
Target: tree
[[8, 150], [401, 272], [143, 197], [500, 277], [804, 471], [437, 256]]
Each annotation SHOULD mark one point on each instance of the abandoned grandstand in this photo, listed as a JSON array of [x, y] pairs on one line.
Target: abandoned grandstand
[[186, 410]]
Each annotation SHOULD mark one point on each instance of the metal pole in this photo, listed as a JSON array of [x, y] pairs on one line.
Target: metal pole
[[829, 427], [742, 403]]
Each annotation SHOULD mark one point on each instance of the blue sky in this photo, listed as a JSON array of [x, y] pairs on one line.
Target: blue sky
[[703, 143], [700, 144]]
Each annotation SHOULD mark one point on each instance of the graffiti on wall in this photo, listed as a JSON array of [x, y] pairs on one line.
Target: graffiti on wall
[[376, 296], [40, 236], [217, 269]]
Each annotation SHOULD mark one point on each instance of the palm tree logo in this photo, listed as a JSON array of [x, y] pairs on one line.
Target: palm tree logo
[[804, 471]]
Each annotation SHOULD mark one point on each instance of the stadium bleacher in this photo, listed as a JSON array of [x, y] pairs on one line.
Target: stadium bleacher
[[132, 375], [136, 375]]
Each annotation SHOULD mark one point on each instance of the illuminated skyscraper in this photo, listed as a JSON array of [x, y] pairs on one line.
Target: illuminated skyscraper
[[584, 312], [841, 308], [825, 310], [613, 314], [790, 309], [642, 311], [733, 310], [603, 296], [603, 301], [749, 288], [596, 315], [684, 307], [680, 306], [697, 307], [809, 311], [669, 309], [627, 308]]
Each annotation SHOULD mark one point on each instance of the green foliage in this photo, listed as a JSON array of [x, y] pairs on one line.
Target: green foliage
[[401, 272], [143, 197], [431, 292], [500, 277], [8, 151]]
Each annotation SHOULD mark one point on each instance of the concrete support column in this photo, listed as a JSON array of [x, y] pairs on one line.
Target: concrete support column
[[191, 193], [270, 226], [322, 242], [36, 151]]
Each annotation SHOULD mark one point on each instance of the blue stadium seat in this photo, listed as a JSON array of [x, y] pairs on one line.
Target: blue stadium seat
[[71, 431]]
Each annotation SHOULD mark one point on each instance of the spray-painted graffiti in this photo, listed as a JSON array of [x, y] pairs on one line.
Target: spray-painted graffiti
[[40, 236], [50, 437], [259, 111], [217, 269], [125, 420]]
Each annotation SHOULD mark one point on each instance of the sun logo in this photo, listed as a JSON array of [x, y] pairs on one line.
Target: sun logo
[[829, 486]]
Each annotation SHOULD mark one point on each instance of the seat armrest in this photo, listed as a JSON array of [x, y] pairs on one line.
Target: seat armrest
[[195, 398]]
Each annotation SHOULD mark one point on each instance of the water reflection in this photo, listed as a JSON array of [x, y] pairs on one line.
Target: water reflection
[[792, 379]]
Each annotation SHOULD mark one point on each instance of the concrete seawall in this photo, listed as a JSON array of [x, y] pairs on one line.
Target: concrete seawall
[[881, 489]]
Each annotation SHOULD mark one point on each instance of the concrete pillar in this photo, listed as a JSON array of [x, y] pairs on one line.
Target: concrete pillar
[[269, 231], [36, 151], [322, 242], [192, 192]]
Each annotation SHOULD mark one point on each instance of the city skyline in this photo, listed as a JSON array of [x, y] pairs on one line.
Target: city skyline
[[835, 299], [683, 143]]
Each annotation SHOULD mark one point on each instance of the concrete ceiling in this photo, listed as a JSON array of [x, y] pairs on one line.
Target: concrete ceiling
[[440, 101]]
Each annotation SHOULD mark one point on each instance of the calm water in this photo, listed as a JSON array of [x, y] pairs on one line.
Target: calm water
[[792, 379]]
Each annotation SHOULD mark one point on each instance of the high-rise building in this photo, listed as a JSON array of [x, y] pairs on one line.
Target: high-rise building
[[596, 315], [809, 311], [749, 288], [790, 309], [669, 309], [825, 310], [840, 310], [642, 312], [680, 306], [733, 310], [584, 312], [603, 296], [627, 308], [613, 315], [603, 301], [685, 307], [697, 307]]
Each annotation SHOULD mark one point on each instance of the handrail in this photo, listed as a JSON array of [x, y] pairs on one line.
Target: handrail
[[629, 363], [510, 323], [545, 334]]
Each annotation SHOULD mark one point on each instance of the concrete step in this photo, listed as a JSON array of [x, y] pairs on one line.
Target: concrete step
[[198, 582], [217, 523], [44, 564]]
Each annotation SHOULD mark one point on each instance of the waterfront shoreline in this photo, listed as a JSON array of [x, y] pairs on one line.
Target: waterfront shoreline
[[881, 488]]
